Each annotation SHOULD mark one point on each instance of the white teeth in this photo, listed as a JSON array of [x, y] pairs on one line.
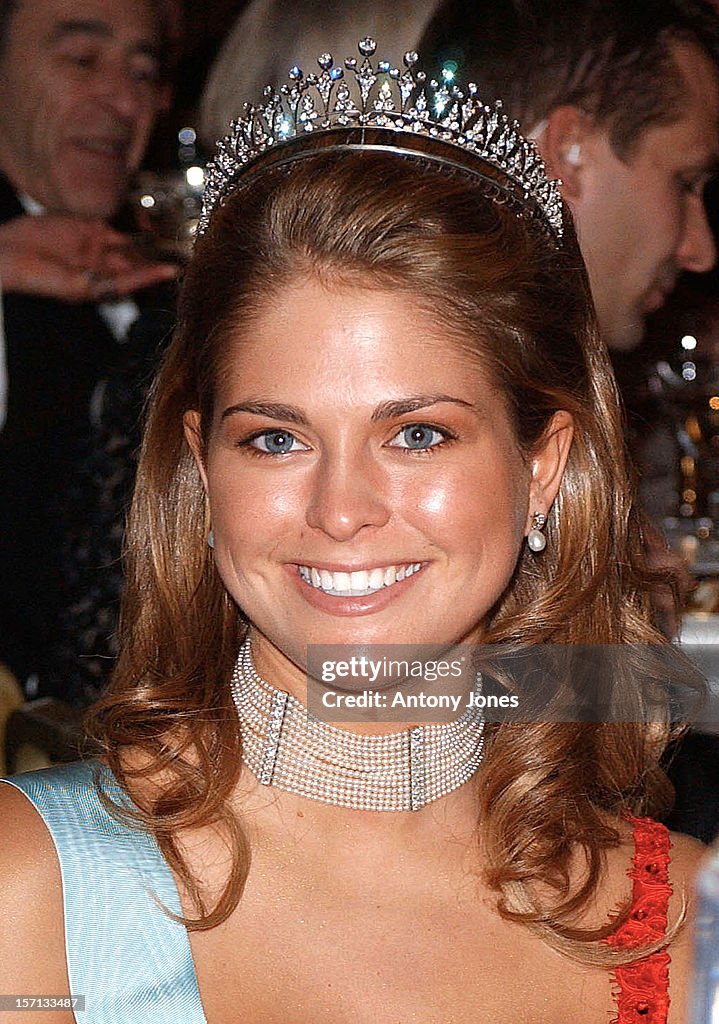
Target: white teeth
[[376, 579], [359, 583]]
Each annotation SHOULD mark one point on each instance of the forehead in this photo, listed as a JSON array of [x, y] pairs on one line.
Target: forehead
[[697, 125], [361, 336], [133, 22]]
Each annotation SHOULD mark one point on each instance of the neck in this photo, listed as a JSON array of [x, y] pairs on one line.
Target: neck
[[448, 697], [285, 819], [287, 748]]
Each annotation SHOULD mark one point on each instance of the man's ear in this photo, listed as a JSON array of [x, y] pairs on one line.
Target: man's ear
[[193, 436], [548, 464], [561, 143]]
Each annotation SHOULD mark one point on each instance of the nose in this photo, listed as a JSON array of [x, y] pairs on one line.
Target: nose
[[119, 89], [697, 248], [347, 496]]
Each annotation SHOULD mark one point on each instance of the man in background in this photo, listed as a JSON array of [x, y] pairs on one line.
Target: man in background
[[622, 99], [82, 82]]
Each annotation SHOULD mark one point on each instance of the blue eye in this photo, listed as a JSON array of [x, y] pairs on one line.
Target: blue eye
[[276, 442], [418, 437]]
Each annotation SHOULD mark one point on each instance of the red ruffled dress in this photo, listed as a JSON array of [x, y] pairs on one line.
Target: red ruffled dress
[[642, 988]]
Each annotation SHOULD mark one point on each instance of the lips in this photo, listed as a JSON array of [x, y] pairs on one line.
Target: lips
[[358, 582], [104, 146]]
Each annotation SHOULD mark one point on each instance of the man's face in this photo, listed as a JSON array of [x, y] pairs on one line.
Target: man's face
[[642, 222], [80, 86]]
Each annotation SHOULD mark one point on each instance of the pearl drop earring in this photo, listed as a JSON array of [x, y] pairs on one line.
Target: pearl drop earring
[[535, 538]]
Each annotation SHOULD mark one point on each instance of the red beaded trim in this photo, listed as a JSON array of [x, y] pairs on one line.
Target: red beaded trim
[[642, 987]]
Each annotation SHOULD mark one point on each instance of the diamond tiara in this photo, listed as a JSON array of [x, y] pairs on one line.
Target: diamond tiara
[[365, 95]]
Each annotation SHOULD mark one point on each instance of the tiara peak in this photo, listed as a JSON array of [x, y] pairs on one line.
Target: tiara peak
[[363, 94]]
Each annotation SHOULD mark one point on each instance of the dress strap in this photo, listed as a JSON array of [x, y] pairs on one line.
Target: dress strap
[[642, 987], [130, 960]]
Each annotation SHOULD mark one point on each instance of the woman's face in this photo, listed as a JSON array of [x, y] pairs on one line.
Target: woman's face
[[364, 482]]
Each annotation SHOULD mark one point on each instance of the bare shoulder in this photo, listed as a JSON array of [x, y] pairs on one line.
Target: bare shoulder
[[687, 855], [686, 859], [32, 947], [27, 855]]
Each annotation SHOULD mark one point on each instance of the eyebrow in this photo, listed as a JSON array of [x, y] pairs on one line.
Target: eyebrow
[[272, 410], [96, 28], [385, 411], [389, 410]]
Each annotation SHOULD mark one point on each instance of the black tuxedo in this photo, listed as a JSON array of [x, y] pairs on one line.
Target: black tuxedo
[[61, 359]]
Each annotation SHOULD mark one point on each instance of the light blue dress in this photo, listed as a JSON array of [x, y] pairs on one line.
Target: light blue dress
[[130, 961]]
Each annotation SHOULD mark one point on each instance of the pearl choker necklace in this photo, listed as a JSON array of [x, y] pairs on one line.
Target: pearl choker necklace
[[284, 745]]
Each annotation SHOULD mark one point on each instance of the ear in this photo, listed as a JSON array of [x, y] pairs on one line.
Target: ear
[[548, 464], [193, 435], [561, 143]]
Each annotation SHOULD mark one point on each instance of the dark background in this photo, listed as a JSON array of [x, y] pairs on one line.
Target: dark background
[[206, 24]]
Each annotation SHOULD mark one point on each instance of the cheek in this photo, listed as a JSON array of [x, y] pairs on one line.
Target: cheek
[[255, 510], [475, 504], [143, 128], [437, 501]]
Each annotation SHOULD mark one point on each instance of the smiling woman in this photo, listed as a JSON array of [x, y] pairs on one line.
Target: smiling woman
[[385, 419], [388, 463]]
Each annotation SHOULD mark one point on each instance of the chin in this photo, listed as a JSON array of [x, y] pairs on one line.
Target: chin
[[94, 202], [625, 335]]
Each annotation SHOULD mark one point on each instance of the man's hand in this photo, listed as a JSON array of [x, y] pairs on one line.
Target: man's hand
[[73, 259]]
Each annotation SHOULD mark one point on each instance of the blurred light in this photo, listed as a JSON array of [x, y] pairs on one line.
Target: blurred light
[[689, 342], [689, 495], [147, 202], [689, 371], [449, 70], [691, 425], [187, 136], [195, 177], [687, 465], [714, 402]]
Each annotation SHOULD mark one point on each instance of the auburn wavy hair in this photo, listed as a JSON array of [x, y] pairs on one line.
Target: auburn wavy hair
[[521, 306]]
